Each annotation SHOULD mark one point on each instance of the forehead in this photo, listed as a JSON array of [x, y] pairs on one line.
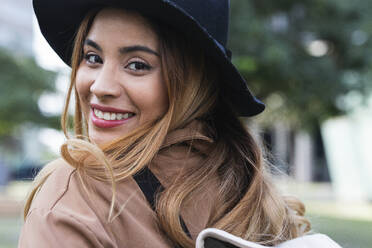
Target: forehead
[[119, 25]]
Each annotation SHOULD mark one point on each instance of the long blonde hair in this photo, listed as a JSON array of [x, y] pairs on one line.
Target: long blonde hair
[[248, 205]]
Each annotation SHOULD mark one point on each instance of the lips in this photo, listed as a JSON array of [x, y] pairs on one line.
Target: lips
[[108, 117]]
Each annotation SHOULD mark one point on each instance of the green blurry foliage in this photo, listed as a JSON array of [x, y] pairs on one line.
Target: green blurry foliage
[[22, 82], [270, 40]]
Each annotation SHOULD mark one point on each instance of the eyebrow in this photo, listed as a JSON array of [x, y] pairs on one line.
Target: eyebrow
[[127, 49], [91, 43], [130, 49]]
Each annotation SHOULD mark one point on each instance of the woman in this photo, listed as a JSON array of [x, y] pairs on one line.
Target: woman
[[158, 153]]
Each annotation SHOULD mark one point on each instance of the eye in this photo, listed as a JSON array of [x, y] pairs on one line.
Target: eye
[[92, 58], [137, 66]]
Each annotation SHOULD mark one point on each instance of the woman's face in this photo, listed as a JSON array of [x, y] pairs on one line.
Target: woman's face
[[119, 80]]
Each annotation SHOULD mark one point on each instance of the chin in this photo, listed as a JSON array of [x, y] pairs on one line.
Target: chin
[[99, 141], [101, 138]]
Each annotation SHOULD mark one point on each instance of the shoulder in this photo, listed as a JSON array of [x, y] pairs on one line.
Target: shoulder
[[57, 175], [59, 210], [66, 191], [46, 228]]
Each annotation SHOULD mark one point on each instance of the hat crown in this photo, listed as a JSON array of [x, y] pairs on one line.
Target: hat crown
[[212, 15]]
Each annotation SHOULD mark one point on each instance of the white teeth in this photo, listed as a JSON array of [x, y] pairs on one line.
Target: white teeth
[[99, 114], [107, 116], [111, 116]]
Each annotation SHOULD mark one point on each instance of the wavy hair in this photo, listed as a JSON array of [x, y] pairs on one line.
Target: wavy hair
[[248, 205]]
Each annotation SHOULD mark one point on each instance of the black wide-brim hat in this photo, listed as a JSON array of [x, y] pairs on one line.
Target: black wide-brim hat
[[206, 21]]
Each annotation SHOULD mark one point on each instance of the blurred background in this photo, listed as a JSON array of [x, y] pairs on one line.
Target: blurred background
[[310, 61]]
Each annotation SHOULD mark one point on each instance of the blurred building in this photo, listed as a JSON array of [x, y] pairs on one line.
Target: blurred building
[[338, 152], [16, 26], [297, 153], [348, 142]]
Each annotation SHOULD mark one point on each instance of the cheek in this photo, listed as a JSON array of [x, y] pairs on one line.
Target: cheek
[[161, 98], [82, 83], [152, 99]]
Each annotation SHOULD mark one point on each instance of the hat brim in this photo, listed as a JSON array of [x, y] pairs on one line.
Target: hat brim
[[59, 21]]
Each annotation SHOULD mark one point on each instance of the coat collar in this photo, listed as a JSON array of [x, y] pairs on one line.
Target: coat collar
[[192, 132]]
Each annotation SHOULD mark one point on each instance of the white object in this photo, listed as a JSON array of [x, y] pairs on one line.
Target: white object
[[308, 241]]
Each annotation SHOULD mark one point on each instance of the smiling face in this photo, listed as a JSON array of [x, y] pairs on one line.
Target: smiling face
[[119, 80]]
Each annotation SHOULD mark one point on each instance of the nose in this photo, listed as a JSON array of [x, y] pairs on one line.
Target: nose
[[105, 85]]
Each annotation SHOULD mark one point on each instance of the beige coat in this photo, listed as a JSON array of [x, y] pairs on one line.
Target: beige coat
[[64, 215]]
